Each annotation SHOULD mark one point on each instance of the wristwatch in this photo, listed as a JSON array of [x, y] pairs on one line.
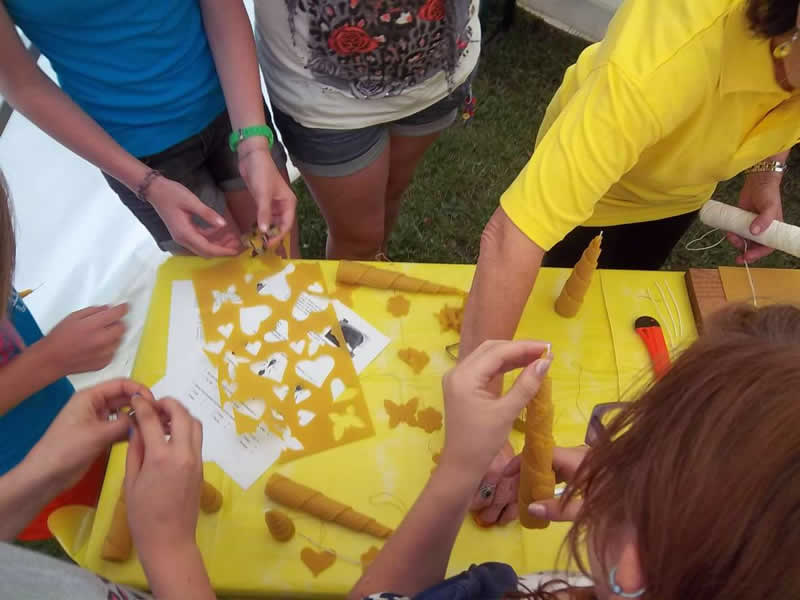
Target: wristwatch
[[768, 166]]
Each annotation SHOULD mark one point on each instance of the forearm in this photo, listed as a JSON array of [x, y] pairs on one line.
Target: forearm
[[178, 574], [34, 95], [416, 556], [26, 374], [230, 37], [507, 268], [24, 491]]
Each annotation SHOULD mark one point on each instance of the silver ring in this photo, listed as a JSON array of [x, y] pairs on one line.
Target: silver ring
[[487, 490]]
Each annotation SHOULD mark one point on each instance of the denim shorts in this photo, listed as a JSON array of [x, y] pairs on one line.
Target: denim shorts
[[204, 164], [342, 152]]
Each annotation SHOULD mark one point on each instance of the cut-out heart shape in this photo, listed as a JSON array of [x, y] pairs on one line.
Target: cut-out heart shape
[[337, 387], [256, 407], [279, 334], [315, 371], [234, 361], [273, 368], [251, 318], [298, 346], [221, 298], [281, 391], [316, 287], [313, 345], [289, 441], [276, 285], [226, 330], [301, 394], [253, 348], [307, 305], [317, 562], [214, 347], [304, 417], [277, 416]]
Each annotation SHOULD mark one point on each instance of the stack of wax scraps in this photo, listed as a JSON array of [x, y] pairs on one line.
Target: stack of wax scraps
[[284, 491], [280, 526], [364, 275], [416, 359], [257, 242], [537, 479], [117, 545], [450, 318], [569, 302]]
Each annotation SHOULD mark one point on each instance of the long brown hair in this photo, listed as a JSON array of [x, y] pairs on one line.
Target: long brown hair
[[8, 248], [705, 467]]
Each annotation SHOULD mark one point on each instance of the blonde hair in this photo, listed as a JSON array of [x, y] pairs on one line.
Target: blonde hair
[[8, 249]]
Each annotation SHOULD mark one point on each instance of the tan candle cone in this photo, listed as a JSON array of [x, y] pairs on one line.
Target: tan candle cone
[[295, 495], [574, 290], [537, 479], [117, 545], [354, 273]]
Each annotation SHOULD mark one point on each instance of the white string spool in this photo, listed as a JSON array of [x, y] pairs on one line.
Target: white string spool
[[778, 235]]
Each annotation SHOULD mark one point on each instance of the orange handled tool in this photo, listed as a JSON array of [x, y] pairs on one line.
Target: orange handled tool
[[650, 331]]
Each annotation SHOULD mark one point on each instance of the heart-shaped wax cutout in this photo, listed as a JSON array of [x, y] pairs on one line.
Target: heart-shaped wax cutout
[[301, 394], [273, 368], [298, 346], [226, 330], [253, 348], [214, 347], [276, 285], [316, 287], [337, 387], [251, 318], [255, 406], [304, 417], [315, 371], [279, 334], [281, 391], [317, 562], [289, 441], [307, 305]]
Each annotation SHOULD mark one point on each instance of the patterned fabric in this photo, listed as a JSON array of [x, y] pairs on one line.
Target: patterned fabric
[[489, 581], [380, 48]]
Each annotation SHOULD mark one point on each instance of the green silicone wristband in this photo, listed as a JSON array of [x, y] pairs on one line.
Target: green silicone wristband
[[239, 135]]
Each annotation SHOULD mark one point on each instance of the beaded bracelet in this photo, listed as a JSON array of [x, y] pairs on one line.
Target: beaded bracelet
[[144, 187]]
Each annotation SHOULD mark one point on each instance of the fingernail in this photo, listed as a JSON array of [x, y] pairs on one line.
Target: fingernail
[[537, 510], [756, 229], [543, 366], [221, 222]]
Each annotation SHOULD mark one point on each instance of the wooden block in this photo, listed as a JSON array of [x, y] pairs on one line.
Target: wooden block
[[705, 293]]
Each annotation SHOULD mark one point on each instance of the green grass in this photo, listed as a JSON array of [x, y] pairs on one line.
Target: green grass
[[459, 182]]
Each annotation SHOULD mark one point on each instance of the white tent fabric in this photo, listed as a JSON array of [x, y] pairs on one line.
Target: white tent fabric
[[586, 18]]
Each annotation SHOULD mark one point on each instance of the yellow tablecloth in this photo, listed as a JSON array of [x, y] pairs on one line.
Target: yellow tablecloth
[[597, 356]]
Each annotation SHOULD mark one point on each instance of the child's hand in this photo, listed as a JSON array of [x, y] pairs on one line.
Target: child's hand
[[82, 431], [86, 340], [477, 419], [163, 479]]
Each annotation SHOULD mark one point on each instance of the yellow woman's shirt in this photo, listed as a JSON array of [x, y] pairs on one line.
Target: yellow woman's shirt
[[679, 96]]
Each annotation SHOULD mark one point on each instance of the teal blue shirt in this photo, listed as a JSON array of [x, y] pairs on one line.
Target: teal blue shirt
[[141, 68], [24, 425]]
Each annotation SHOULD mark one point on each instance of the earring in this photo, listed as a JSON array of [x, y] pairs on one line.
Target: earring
[[785, 49], [616, 589]]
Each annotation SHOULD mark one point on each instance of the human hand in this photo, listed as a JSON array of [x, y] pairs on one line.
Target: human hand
[[477, 418], [760, 194], [275, 200], [177, 207], [163, 479], [565, 463], [500, 505], [82, 431], [85, 340]]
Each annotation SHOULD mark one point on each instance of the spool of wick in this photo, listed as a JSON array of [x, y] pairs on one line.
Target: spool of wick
[[778, 235]]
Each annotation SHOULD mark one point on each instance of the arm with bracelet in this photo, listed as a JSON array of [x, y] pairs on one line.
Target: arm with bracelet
[[231, 39]]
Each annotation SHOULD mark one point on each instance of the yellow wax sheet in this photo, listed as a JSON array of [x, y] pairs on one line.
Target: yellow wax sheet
[[382, 475], [772, 286]]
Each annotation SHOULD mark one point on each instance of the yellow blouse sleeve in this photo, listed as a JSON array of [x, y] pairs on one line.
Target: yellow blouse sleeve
[[597, 137]]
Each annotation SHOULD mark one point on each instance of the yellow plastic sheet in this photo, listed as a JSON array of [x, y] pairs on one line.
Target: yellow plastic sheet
[[382, 476]]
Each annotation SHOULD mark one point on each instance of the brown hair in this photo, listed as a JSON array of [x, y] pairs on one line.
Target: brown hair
[[705, 467], [769, 18], [8, 248]]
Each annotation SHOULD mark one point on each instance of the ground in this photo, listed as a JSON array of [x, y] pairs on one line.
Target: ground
[[458, 184]]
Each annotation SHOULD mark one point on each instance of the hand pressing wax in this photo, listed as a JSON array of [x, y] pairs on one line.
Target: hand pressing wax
[[284, 491], [571, 298], [360, 274]]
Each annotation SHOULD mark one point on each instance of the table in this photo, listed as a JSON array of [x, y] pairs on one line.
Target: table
[[598, 358]]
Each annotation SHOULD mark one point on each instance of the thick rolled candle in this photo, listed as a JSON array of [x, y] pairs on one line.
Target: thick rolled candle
[[353, 273], [537, 479]]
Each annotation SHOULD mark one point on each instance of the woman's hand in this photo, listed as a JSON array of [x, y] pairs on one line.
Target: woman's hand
[[163, 478], [82, 430], [177, 207], [85, 340], [275, 201], [565, 463], [477, 418], [760, 194]]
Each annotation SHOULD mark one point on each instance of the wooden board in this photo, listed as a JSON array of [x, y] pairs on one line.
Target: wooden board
[[705, 293]]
